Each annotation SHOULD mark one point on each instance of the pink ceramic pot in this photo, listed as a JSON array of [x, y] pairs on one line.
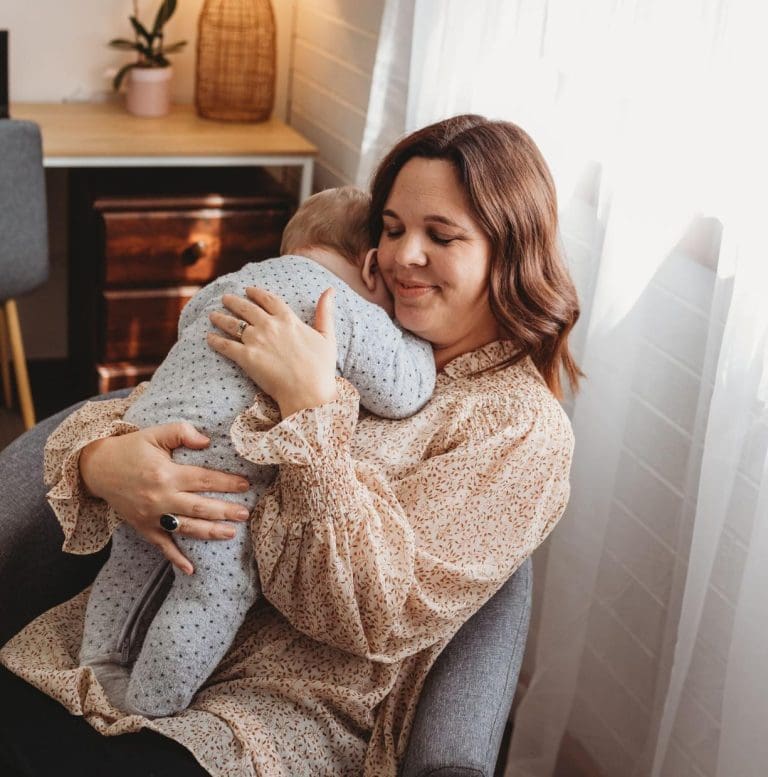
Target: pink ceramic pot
[[149, 91]]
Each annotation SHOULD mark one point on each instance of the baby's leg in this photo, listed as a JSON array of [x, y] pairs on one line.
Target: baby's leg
[[195, 625], [116, 591]]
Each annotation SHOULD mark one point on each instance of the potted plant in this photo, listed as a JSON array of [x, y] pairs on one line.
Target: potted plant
[[148, 90]]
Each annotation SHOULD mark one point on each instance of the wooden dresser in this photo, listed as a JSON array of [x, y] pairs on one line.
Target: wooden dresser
[[158, 208], [142, 242]]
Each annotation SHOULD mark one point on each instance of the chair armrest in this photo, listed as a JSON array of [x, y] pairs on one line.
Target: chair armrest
[[34, 572], [466, 699]]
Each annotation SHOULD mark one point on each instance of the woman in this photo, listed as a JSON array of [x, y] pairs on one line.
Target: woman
[[378, 538]]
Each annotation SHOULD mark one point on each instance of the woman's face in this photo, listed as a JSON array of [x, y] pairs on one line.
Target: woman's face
[[435, 260]]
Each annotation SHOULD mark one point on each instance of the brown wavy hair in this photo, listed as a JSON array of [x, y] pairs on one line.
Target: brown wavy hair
[[512, 197]]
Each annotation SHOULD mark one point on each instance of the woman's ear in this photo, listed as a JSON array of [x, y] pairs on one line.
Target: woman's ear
[[370, 269]]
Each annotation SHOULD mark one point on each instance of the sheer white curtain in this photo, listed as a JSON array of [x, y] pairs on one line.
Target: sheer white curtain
[[648, 654]]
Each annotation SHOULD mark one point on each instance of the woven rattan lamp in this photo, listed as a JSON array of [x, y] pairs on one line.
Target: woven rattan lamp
[[235, 78]]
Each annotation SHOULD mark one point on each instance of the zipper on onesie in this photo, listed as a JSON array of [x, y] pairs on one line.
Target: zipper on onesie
[[129, 631]]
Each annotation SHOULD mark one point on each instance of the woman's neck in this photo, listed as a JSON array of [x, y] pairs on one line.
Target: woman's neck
[[446, 353]]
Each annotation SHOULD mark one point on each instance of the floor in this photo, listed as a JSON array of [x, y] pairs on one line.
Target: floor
[[11, 426], [52, 390]]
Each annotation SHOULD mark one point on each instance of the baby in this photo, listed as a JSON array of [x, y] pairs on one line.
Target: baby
[[152, 654]]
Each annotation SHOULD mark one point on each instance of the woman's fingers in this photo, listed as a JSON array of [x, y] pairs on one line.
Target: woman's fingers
[[257, 305], [226, 324], [177, 434], [233, 350], [170, 550], [271, 303], [198, 529], [136, 475], [192, 478], [208, 508], [292, 362], [246, 309], [325, 314], [193, 528]]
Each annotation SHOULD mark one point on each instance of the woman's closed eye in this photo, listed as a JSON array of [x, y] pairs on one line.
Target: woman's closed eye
[[392, 233], [442, 240]]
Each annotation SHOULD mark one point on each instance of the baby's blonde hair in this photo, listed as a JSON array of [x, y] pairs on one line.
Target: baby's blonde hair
[[336, 219]]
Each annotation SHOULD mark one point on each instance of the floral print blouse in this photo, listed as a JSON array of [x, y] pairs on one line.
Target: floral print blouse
[[376, 542]]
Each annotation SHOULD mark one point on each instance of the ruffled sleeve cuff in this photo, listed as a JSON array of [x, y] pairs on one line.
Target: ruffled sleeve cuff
[[302, 438], [87, 522]]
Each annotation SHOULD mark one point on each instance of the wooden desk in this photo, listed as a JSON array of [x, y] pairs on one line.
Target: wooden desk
[[142, 241], [106, 135]]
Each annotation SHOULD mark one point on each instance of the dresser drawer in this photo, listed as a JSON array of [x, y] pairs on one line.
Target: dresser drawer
[[142, 242], [142, 324], [194, 246], [117, 375]]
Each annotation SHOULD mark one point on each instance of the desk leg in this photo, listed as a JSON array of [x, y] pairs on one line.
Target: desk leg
[[305, 188]]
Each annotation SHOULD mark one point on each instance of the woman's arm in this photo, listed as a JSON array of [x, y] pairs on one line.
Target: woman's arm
[[384, 568], [86, 521], [102, 470]]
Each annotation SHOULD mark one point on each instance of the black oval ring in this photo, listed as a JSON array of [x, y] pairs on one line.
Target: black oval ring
[[169, 523]]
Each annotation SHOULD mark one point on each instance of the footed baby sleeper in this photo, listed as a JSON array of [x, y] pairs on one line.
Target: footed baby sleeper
[[151, 654]]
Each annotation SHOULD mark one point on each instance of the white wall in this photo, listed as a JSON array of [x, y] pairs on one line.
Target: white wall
[[334, 51], [59, 52], [649, 532]]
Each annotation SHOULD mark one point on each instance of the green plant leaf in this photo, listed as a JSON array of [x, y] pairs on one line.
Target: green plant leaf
[[141, 30], [124, 45], [118, 79], [164, 13], [174, 47], [161, 60]]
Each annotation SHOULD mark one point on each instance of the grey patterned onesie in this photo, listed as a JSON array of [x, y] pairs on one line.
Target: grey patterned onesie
[[172, 656]]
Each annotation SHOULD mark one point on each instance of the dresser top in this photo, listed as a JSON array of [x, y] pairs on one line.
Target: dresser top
[[83, 131]]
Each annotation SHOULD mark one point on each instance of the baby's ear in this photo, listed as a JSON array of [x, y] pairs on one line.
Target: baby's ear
[[370, 269]]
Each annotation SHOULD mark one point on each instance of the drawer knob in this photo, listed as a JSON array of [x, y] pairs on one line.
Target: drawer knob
[[194, 251]]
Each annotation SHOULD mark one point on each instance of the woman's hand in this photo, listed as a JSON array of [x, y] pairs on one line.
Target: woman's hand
[[292, 362], [135, 474]]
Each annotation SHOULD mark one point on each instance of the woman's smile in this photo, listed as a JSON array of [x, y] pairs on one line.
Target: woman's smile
[[412, 290]]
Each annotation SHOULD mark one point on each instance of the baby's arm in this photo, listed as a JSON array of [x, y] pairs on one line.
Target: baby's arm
[[392, 369]]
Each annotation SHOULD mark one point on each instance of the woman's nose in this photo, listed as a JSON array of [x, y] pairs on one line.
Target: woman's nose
[[410, 251]]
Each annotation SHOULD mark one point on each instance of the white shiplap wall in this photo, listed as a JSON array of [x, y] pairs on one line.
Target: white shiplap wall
[[650, 528], [333, 55]]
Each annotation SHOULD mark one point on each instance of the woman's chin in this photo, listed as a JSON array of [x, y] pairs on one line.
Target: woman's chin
[[414, 320]]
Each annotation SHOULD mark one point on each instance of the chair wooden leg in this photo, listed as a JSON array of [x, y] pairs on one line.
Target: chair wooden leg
[[5, 368], [19, 363]]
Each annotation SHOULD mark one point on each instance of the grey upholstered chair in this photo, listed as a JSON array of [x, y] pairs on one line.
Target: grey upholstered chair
[[23, 244], [468, 694]]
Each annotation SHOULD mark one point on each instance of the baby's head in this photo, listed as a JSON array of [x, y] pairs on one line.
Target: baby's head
[[331, 227]]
